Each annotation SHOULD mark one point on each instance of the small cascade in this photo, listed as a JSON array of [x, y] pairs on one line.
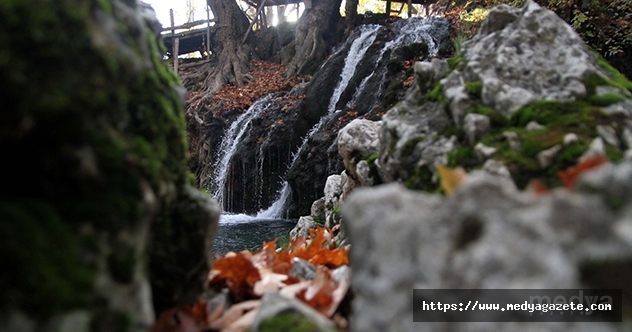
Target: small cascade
[[228, 147], [406, 32], [358, 48], [277, 209]]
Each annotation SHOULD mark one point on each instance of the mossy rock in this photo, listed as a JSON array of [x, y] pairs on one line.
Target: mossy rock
[[288, 322], [93, 121]]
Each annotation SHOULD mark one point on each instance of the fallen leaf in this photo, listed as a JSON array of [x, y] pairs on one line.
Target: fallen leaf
[[450, 178], [570, 175], [537, 186], [237, 273], [234, 313]]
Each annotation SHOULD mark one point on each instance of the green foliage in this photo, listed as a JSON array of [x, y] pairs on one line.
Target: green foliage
[[604, 25], [497, 119], [462, 156], [453, 130], [474, 89], [421, 179], [607, 99], [288, 322]]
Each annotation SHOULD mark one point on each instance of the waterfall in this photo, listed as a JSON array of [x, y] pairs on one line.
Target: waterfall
[[358, 48], [406, 32], [354, 51], [228, 147], [277, 209]]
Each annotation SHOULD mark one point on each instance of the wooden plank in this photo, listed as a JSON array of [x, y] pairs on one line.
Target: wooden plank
[[188, 25], [388, 7], [176, 47], [410, 8], [253, 21], [208, 31]]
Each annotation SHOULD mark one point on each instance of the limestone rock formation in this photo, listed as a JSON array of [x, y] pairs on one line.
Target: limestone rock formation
[[92, 131], [486, 235]]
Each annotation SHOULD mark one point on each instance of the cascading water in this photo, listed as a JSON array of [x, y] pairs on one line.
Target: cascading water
[[406, 32], [358, 49], [229, 145]]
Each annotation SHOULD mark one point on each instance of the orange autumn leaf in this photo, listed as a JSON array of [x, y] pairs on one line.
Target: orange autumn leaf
[[237, 273], [197, 311], [538, 187], [331, 258], [570, 175], [319, 295], [451, 178]]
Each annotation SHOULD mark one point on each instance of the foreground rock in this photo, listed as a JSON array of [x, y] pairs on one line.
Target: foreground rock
[[93, 136], [488, 235]]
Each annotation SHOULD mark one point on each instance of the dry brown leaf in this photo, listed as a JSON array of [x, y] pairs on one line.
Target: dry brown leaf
[[234, 313], [450, 178]]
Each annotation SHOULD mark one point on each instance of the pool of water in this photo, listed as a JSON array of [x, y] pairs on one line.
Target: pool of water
[[239, 232]]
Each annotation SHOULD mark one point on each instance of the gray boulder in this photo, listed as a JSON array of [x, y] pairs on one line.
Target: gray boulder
[[487, 235], [358, 141]]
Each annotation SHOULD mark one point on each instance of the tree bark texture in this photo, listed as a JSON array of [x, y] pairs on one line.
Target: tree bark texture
[[233, 56], [310, 45]]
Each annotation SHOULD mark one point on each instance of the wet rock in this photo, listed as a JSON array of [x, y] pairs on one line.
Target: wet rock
[[545, 157], [483, 151], [533, 125], [476, 126], [494, 167], [302, 227], [407, 132], [333, 191], [318, 209], [596, 148], [608, 134], [627, 137], [429, 73], [358, 141], [302, 269], [570, 138], [517, 64], [513, 139]]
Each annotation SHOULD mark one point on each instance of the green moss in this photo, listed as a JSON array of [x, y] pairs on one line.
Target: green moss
[[607, 99], [288, 322], [613, 153], [102, 122], [620, 80], [436, 94], [496, 119], [410, 145], [42, 254], [462, 156], [421, 179], [456, 62], [474, 89], [453, 130], [535, 141]]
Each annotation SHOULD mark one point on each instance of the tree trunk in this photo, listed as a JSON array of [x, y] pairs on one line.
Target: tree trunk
[[280, 13], [310, 46], [351, 15], [233, 56]]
